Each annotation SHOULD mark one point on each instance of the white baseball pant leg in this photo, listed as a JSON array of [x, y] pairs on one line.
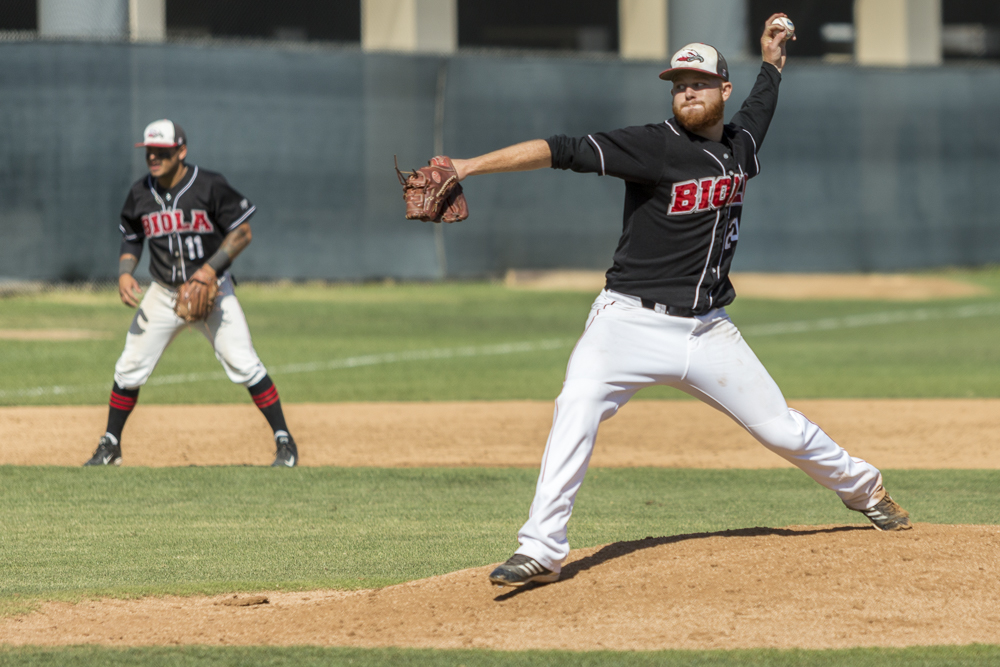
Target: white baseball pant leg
[[155, 326], [626, 347]]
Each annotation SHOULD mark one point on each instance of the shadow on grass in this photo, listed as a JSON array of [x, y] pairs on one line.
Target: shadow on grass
[[619, 549]]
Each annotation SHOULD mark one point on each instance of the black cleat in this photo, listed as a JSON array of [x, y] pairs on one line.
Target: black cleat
[[288, 453], [106, 454], [520, 570], [887, 515]]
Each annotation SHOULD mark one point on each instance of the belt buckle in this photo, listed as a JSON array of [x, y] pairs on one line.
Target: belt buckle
[[661, 308], [664, 309]]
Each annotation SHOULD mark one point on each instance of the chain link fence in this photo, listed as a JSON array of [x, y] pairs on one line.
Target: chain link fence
[[309, 133]]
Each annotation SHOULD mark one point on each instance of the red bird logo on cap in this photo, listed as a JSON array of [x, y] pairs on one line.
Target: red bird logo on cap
[[691, 56]]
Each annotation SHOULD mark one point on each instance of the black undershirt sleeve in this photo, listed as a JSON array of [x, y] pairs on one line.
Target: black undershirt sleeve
[[758, 108], [130, 248]]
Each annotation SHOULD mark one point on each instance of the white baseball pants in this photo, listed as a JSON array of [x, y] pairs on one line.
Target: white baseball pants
[[156, 325], [626, 347]]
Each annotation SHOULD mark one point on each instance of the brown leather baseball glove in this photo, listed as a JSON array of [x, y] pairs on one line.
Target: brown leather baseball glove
[[195, 299], [433, 193]]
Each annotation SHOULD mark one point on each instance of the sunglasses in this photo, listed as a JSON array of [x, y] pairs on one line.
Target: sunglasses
[[152, 151]]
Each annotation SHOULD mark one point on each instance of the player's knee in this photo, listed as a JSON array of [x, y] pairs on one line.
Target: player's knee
[[132, 373], [588, 395], [783, 433], [132, 380]]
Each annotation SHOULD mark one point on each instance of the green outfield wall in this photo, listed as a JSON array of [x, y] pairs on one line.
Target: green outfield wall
[[863, 169]]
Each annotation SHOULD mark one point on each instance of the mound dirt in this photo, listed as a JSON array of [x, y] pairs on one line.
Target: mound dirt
[[932, 433], [801, 586]]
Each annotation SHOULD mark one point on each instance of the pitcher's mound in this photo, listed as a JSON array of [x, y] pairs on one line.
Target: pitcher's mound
[[802, 586]]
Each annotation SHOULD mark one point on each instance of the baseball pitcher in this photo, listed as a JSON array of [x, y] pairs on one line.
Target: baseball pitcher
[[196, 224], [661, 318]]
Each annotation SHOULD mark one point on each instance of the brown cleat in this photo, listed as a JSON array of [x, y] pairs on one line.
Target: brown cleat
[[888, 515]]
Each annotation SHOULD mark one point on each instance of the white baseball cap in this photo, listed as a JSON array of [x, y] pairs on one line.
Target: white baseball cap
[[163, 133], [697, 57]]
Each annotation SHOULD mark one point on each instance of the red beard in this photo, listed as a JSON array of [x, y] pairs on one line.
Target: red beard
[[695, 119]]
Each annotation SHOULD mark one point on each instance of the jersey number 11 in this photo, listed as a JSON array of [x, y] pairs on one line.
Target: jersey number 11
[[195, 249]]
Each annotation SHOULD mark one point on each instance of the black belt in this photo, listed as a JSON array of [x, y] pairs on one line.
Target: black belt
[[676, 311]]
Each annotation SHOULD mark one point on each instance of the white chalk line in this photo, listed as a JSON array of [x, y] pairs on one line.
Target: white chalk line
[[776, 329], [872, 319], [312, 367]]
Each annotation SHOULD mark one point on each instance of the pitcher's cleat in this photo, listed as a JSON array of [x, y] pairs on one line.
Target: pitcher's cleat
[[287, 455], [520, 570], [887, 515], [106, 454]]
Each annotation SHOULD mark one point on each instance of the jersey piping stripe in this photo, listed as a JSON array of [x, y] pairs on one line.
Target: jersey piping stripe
[[755, 163], [711, 245], [599, 152], [174, 208], [721, 166], [156, 195], [672, 128], [185, 188], [242, 218], [708, 259], [729, 216], [128, 237], [159, 200]]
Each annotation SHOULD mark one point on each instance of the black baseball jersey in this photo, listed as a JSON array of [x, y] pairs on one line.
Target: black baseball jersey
[[683, 200], [185, 225]]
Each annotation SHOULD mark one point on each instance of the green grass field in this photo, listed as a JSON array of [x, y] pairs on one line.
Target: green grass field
[[69, 533], [943, 355], [195, 656], [72, 532]]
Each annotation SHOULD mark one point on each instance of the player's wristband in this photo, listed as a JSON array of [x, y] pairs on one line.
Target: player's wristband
[[127, 265], [220, 261]]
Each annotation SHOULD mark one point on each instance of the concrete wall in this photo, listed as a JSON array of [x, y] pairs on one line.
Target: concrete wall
[[863, 169]]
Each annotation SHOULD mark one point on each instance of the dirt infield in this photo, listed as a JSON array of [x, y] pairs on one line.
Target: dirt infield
[[806, 586], [934, 433]]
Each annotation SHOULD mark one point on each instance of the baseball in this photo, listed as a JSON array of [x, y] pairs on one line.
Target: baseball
[[787, 24]]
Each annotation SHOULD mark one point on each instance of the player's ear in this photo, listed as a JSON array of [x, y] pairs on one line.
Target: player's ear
[[727, 90], [182, 153]]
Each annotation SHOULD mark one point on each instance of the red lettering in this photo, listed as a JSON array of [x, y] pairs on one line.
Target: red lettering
[[161, 223], [706, 191], [200, 222], [721, 192], [707, 194], [738, 189], [685, 196]]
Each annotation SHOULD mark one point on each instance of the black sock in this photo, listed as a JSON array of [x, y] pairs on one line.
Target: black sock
[[265, 395], [120, 406]]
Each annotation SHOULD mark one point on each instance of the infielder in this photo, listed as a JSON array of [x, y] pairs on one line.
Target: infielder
[[661, 318], [196, 224]]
